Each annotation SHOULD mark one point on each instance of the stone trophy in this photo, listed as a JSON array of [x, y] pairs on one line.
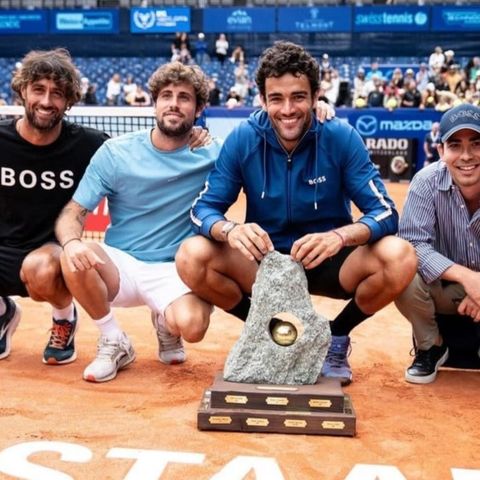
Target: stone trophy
[[271, 380]]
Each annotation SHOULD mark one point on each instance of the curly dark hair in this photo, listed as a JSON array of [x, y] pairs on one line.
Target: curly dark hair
[[56, 65], [176, 72], [287, 57]]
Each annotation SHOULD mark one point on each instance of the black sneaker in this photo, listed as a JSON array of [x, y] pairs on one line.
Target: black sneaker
[[426, 364], [8, 324]]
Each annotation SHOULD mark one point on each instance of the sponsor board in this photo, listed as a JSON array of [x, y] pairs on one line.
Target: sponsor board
[[315, 19], [101, 21], [23, 21], [99, 219], [455, 19], [392, 156], [231, 20], [160, 20], [391, 19]]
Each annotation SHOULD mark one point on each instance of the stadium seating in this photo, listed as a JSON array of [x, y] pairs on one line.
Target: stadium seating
[[100, 70]]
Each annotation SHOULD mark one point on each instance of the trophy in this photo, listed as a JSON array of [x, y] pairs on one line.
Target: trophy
[[271, 380]]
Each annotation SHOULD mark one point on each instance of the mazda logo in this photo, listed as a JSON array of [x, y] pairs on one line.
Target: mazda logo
[[366, 125]]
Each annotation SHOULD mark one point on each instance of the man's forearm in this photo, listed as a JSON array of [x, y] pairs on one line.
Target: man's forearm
[[70, 223], [459, 274], [354, 234]]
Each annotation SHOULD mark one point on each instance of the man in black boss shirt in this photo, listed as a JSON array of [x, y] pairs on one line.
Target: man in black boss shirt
[[43, 158]]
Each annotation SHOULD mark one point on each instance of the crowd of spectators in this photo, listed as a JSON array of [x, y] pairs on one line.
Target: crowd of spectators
[[439, 82]]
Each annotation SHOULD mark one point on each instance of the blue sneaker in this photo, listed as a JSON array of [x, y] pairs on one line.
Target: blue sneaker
[[8, 324], [61, 346], [336, 363]]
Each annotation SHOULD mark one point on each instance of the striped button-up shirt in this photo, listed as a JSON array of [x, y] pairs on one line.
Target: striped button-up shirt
[[437, 222]]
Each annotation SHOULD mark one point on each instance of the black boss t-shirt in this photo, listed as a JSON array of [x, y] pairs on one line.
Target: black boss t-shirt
[[37, 181]]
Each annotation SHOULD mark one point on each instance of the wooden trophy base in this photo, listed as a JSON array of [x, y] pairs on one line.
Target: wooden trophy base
[[319, 409]]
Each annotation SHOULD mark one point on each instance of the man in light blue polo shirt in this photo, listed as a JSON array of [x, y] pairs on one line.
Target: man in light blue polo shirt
[[150, 179]]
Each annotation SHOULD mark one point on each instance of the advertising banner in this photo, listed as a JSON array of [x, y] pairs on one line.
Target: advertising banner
[[98, 21], [230, 20], [409, 123], [23, 22], [98, 220], [393, 157], [391, 19], [377, 123], [160, 20], [315, 19], [455, 19]]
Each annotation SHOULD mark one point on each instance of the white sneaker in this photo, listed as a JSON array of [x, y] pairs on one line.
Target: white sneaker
[[112, 355], [170, 347]]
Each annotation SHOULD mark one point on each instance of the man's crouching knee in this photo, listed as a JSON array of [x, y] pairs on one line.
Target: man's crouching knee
[[192, 259], [193, 326]]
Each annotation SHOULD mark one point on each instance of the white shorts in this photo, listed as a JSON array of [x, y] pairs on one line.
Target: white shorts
[[156, 285]]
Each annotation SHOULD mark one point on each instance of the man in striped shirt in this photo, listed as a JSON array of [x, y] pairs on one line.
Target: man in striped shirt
[[441, 218]]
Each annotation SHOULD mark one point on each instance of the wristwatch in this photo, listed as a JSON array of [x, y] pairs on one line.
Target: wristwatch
[[227, 228]]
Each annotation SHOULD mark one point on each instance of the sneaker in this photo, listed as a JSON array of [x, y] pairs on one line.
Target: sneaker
[[426, 364], [112, 356], [60, 348], [336, 363], [170, 347], [8, 324]]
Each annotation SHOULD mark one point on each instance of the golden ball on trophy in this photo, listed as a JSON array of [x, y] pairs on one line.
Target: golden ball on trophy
[[284, 333]]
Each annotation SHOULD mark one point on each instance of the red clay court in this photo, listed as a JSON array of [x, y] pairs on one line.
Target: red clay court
[[404, 431]]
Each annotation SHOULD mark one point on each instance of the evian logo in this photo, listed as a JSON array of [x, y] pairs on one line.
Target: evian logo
[[239, 17]]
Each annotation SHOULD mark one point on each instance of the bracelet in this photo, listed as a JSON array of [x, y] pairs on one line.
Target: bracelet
[[71, 240], [342, 238]]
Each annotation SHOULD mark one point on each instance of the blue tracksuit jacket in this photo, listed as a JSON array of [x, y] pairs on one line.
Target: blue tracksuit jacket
[[291, 194]]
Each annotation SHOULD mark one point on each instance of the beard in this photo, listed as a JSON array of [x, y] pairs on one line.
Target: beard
[[180, 130], [43, 125]]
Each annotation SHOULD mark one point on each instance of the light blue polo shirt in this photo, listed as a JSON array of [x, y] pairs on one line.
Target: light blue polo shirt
[[149, 192]]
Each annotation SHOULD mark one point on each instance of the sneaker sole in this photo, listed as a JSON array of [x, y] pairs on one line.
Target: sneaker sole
[[423, 380], [72, 358], [344, 381], [11, 331], [171, 362], [121, 365], [54, 361]]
